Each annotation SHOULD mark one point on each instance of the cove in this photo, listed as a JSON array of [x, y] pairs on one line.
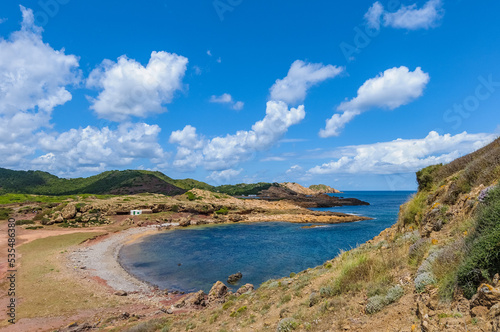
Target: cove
[[195, 258]]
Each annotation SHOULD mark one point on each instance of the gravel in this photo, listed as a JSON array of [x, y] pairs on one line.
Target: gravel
[[101, 260]]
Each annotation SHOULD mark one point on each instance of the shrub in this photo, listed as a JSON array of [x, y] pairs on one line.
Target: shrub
[[378, 302], [5, 213], [227, 305], [192, 197], [34, 227], [394, 294], [483, 258], [222, 210], [425, 177], [285, 298], [287, 325], [238, 312], [314, 298], [24, 222], [424, 279], [175, 208], [412, 211], [375, 304]]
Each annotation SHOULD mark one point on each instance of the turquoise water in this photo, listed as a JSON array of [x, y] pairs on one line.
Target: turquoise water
[[195, 258]]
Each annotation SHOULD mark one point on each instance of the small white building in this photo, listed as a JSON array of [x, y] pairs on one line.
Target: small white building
[[135, 212]]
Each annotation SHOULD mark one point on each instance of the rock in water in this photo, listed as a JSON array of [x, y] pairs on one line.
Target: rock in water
[[233, 278]]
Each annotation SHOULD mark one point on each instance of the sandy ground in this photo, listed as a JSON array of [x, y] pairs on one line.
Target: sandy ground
[[100, 260]]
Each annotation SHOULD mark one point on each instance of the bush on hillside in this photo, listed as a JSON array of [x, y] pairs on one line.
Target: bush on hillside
[[5, 213], [483, 258], [425, 177]]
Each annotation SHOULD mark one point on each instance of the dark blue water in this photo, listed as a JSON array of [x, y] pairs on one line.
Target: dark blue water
[[260, 251]]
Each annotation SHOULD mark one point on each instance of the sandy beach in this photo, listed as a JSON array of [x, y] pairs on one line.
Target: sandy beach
[[100, 260]]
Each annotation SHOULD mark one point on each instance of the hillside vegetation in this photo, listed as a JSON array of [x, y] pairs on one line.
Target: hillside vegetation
[[113, 182], [436, 269]]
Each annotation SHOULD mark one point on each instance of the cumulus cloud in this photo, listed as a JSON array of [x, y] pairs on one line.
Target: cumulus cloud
[[293, 88], [374, 14], [129, 89], [33, 81], [224, 176], [391, 89], [402, 155], [33, 74], [226, 98], [92, 149], [223, 152], [407, 17]]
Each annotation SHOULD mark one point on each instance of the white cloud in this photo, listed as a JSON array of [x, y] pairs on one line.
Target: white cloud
[[223, 152], [402, 155], [407, 17], [224, 176], [209, 53], [391, 89], [33, 81], [294, 170], [226, 98], [273, 158], [128, 89], [293, 88], [93, 149], [33, 74], [374, 14]]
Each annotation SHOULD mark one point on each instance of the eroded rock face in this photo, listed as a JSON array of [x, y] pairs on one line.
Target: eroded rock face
[[218, 293], [244, 289], [193, 300]]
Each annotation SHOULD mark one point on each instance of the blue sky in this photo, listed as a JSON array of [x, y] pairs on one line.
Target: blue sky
[[356, 95]]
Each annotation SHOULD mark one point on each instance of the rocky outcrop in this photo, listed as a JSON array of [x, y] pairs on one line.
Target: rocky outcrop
[[244, 289], [217, 293], [323, 189], [193, 300], [277, 193], [486, 296]]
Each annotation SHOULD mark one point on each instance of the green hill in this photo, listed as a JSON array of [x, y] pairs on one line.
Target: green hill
[[110, 182]]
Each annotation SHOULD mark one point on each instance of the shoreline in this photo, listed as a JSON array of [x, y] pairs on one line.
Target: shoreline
[[101, 259]]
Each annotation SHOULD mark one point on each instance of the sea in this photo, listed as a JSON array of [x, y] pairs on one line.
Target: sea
[[194, 258]]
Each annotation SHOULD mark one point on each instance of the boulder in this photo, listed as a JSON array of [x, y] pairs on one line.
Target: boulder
[[194, 299], [57, 217], [69, 211], [184, 222], [244, 289], [233, 278], [121, 293], [486, 296], [218, 293]]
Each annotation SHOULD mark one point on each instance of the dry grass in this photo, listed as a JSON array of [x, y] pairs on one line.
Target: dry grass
[[45, 290]]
